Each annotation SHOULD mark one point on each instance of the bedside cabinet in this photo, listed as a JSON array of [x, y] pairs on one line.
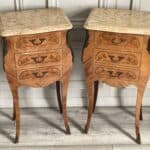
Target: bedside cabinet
[[116, 53], [37, 54]]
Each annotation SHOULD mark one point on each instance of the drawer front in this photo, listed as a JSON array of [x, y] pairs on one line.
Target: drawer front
[[115, 41], [32, 75], [38, 42], [109, 73], [37, 59], [113, 58]]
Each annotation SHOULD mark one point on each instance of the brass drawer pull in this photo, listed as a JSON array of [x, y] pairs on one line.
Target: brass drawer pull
[[40, 74], [116, 59], [115, 74], [38, 59], [37, 42], [117, 41]]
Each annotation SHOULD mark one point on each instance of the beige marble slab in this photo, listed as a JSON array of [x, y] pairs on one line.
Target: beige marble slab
[[117, 20], [33, 21]]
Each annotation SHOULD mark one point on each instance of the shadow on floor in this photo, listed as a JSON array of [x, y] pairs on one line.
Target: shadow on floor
[[115, 125], [76, 124], [2, 113], [46, 120], [125, 109]]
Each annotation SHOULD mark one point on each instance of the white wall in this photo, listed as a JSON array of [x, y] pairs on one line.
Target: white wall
[[77, 10]]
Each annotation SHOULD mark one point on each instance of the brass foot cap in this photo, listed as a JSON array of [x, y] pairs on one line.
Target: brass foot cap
[[16, 140], [68, 131], [86, 130], [138, 139]]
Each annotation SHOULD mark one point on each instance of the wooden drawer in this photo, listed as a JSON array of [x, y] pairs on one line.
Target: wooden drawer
[[38, 74], [38, 42], [115, 41], [113, 58], [37, 59], [109, 73]]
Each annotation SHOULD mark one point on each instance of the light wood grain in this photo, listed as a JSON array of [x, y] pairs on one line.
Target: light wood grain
[[118, 60], [25, 66]]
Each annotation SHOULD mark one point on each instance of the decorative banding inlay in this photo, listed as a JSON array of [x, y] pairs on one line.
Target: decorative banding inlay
[[27, 42], [120, 74], [108, 39], [37, 58], [127, 59], [39, 73]]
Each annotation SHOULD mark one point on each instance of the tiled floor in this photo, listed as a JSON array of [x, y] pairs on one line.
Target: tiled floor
[[43, 128]]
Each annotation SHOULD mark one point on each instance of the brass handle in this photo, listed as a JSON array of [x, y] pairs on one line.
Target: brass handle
[[117, 41], [37, 42], [115, 59], [38, 59], [40, 74], [115, 74]]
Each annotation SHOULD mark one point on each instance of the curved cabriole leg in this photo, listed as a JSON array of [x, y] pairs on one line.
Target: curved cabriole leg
[[58, 95], [95, 94], [16, 113], [140, 93], [64, 88], [90, 90]]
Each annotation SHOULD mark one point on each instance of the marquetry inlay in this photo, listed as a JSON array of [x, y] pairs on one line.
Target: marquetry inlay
[[116, 53]]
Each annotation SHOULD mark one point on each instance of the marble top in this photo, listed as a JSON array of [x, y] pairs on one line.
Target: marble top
[[33, 21], [117, 20]]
